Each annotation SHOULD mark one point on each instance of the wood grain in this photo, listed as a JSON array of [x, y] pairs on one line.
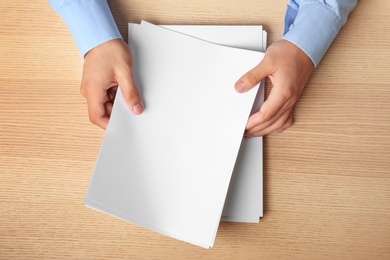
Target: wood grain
[[327, 179]]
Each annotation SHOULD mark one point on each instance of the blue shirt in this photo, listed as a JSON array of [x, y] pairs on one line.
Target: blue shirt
[[311, 25]]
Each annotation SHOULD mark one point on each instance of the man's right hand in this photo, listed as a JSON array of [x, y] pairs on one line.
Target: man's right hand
[[105, 67]]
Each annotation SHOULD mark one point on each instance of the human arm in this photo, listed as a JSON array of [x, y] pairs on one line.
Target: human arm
[[310, 28], [108, 61]]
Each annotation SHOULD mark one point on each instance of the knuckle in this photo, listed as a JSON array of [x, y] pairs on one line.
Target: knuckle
[[289, 122], [294, 98], [288, 125], [93, 118], [287, 93], [82, 91], [265, 116], [85, 88], [131, 95], [279, 124], [252, 77]]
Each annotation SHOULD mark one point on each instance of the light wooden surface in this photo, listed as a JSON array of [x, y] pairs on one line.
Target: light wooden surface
[[326, 180]]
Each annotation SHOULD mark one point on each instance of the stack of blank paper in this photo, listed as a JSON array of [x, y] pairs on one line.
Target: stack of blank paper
[[183, 165]]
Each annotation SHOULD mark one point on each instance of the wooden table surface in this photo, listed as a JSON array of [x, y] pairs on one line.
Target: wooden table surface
[[326, 179]]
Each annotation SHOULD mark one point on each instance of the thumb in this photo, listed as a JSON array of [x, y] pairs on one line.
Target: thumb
[[252, 77], [130, 93]]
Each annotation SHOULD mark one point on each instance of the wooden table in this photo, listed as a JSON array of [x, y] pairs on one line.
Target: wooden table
[[326, 179]]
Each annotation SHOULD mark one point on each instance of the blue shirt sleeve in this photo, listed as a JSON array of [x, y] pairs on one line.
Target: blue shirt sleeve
[[90, 22], [312, 25]]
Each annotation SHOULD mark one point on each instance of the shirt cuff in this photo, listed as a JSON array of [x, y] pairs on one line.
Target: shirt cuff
[[313, 30], [90, 22]]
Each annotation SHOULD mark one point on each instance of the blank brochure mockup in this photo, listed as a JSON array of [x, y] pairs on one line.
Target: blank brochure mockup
[[178, 168]]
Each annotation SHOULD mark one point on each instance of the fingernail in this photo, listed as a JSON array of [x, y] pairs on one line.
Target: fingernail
[[239, 86], [138, 109]]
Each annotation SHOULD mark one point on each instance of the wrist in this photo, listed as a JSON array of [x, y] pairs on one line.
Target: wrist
[[90, 22], [305, 33]]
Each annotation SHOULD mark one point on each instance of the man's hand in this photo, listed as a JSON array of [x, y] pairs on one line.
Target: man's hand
[[105, 67], [288, 68]]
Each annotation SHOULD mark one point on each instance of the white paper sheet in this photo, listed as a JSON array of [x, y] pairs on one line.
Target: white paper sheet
[[244, 202], [169, 168]]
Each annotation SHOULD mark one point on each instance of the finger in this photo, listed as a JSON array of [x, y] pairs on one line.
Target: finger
[[286, 125], [274, 106], [108, 105], [111, 93], [130, 93], [271, 128], [252, 77], [96, 107], [108, 108]]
